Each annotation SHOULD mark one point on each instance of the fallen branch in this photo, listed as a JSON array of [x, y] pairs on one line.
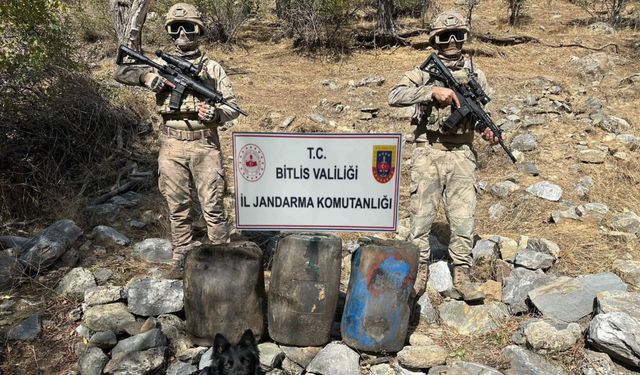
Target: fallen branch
[[521, 39], [122, 189]]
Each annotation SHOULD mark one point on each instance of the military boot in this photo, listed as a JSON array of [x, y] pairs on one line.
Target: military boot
[[177, 264], [420, 285], [467, 291]]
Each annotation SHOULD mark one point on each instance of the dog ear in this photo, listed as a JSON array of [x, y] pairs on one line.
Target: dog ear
[[220, 344], [248, 339]]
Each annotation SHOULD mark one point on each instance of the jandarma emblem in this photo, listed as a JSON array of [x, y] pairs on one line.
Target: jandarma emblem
[[384, 163], [251, 162]]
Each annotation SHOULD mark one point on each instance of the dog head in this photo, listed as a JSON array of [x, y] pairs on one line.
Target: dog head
[[239, 359]]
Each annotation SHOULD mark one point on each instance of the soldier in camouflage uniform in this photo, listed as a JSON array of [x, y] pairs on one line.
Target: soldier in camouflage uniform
[[189, 143], [443, 163]]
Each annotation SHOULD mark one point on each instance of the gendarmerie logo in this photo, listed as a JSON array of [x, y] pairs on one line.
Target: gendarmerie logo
[[384, 163], [251, 162]]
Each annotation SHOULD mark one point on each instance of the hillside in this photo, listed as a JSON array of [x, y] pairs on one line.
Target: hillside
[[567, 99]]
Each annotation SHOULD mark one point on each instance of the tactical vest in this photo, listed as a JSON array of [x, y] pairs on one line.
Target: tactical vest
[[429, 118], [188, 108]]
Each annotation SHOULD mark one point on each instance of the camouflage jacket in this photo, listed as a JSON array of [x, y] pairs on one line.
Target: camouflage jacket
[[186, 118], [415, 88]]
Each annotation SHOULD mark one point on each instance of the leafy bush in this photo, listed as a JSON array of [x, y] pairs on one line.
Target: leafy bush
[[319, 23], [613, 10]]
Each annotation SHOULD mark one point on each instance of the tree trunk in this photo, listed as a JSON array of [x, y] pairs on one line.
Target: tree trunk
[[385, 24], [129, 17]]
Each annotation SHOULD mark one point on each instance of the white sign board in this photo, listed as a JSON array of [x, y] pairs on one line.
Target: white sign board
[[315, 182]]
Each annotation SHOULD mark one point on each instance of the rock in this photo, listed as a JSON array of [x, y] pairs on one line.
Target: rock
[[28, 329], [627, 222], [76, 282], [518, 285], [529, 168], [420, 339], [318, 118], [149, 297], [492, 290], [83, 331], [47, 246], [544, 246], [291, 368], [111, 317], [570, 299], [335, 359], [524, 142], [440, 277], [534, 260], [270, 355], [472, 320], [593, 67], [496, 211], [546, 190], [382, 369], [92, 361], [592, 211], [103, 340], [368, 81], [106, 235], [402, 113], [422, 356], [463, 368], [427, 311], [154, 250], [485, 251], [181, 368], [583, 187], [300, 355], [598, 364], [525, 362], [205, 360], [287, 122], [544, 338], [629, 271], [147, 340], [102, 275], [101, 295], [613, 124], [617, 334], [147, 362], [8, 242], [592, 156], [568, 214], [618, 301], [11, 272], [175, 330], [504, 188]]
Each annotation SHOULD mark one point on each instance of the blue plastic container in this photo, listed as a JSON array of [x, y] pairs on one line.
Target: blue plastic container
[[378, 305]]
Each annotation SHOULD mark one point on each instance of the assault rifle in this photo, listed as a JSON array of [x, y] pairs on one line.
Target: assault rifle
[[182, 73], [471, 96]]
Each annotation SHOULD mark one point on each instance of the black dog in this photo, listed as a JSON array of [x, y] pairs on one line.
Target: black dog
[[240, 359]]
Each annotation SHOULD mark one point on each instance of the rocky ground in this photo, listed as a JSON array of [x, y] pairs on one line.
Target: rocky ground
[[557, 251]]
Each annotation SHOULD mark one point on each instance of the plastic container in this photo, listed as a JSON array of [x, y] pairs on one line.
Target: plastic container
[[224, 292], [304, 289], [378, 305]]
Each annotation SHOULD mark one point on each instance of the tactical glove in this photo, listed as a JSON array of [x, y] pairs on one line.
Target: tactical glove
[[154, 82]]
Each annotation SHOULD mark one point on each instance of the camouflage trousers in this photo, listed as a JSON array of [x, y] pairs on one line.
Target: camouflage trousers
[[443, 174], [183, 166]]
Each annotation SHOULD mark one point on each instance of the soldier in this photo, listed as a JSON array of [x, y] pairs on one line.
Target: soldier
[[443, 163], [189, 144]]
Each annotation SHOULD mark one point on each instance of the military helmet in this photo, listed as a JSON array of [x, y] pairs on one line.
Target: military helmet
[[183, 12], [445, 21]]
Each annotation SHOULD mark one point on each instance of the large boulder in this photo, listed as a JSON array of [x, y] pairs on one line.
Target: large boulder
[[617, 334], [570, 299], [149, 297]]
